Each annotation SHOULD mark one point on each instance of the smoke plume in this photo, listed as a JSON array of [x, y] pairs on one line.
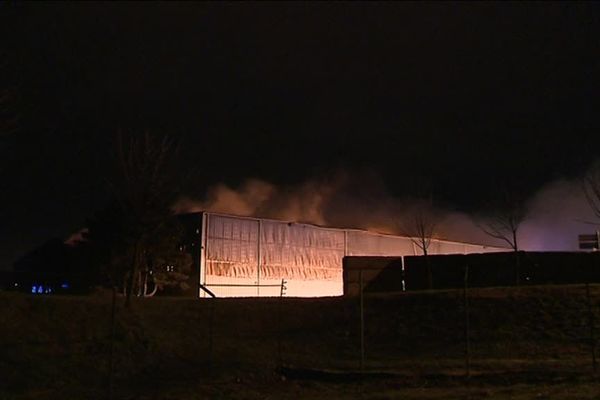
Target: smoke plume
[[557, 213], [357, 200]]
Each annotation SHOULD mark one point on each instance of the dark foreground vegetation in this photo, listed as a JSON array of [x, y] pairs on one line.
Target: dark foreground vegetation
[[523, 343]]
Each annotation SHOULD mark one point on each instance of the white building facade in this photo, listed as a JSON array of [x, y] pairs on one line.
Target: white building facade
[[247, 257]]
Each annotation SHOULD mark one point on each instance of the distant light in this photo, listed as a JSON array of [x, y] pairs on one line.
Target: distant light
[[34, 289], [16, 284], [40, 289], [65, 285]]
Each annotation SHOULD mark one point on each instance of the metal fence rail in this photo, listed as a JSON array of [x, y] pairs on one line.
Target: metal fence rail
[[281, 286]]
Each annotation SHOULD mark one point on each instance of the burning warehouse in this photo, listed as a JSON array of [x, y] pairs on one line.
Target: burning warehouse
[[245, 256]]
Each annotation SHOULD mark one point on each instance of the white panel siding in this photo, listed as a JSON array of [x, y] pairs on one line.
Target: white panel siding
[[251, 251]]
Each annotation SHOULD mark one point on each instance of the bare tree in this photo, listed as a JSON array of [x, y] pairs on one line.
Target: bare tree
[[419, 223], [591, 187], [503, 220], [145, 187]]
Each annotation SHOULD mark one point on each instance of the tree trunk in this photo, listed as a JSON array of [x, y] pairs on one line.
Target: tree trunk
[[517, 268], [517, 259], [428, 268], [133, 271]]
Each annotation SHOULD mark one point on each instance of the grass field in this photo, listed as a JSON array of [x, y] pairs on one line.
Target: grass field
[[527, 343]]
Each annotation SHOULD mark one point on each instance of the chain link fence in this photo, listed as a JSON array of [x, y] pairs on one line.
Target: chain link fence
[[92, 346], [501, 334]]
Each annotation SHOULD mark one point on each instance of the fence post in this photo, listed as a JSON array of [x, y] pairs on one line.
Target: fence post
[[279, 316], [467, 324], [258, 259], [211, 319], [112, 343], [591, 324], [282, 289], [362, 321]]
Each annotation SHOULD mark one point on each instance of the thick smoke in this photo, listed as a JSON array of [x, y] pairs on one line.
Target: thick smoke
[[556, 214], [341, 200], [302, 203]]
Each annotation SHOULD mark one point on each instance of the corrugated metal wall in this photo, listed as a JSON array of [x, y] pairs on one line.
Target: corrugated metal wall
[[249, 251]]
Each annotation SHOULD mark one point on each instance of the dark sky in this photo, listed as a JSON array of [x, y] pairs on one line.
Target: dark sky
[[467, 97]]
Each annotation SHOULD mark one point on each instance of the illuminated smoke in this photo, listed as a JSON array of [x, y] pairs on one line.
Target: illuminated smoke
[[246, 200], [462, 227], [302, 203], [341, 200], [557, 212]]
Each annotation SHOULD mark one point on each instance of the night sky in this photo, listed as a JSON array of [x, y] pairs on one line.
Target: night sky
[[467, 97]]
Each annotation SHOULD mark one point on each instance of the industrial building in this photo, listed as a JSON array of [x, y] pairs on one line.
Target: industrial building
[[244, 256]]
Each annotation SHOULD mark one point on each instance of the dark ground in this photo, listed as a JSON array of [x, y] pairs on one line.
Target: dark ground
[[529, 343]]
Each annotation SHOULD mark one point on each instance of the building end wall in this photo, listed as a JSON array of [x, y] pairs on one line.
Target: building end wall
[[371, 268]]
